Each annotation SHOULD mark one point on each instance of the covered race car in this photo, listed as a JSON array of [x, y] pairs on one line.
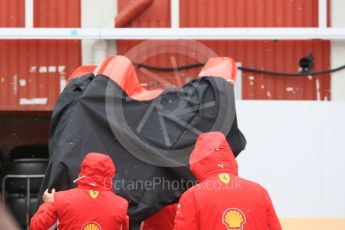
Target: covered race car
[[149, 134]]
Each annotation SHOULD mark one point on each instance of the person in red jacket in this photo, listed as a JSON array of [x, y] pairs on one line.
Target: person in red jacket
[[92, 205], [161, 220], [222, 200]]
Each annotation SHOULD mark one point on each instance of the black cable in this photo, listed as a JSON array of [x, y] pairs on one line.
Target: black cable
[[290, 74], [169, 69], [245, 69]]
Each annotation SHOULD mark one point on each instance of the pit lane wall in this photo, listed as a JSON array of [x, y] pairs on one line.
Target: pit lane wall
[[296, 150]]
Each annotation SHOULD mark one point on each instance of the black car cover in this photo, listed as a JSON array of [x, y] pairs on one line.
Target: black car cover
[[149, 141]]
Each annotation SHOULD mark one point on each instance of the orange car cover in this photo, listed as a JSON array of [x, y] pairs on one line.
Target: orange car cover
[[121, 70]]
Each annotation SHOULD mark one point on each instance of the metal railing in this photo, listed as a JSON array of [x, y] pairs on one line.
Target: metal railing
[[257, 33], [28, 178]]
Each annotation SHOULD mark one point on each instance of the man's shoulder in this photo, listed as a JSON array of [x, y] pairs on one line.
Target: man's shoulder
[[121, 199], [118, 199], [214, 182], [67, 195], [250, 182], [119, 203], [252, 185], [65, 192]]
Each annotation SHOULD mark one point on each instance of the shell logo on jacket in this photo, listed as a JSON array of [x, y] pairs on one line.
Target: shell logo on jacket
[[234, 218], [91, 226]]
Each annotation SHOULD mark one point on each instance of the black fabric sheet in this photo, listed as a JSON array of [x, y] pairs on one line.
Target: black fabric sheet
[[149, 141]]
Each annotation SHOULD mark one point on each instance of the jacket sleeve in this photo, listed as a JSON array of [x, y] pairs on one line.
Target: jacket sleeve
[[186, 213], [44, 218], [273, 221]]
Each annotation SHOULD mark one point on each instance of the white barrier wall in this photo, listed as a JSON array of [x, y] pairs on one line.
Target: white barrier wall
[[338, 51], [296, 149]]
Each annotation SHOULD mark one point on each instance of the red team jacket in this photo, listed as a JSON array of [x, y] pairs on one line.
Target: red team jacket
[[222, 200], [90, 206], [162, 220]]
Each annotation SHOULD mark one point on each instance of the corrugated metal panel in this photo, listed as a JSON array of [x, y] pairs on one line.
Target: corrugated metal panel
[[269, 55], [57, 13], [248, 13], [280, 56], [32, 73], [12, 13]]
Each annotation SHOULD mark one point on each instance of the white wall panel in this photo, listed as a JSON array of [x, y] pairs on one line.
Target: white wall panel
[[296, 149]]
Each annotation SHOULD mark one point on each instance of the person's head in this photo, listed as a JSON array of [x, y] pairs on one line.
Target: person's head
[[212, 154], [97, 170]]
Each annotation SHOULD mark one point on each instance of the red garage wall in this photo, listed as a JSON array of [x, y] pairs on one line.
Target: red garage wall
[[276, 55], [32, 73]]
